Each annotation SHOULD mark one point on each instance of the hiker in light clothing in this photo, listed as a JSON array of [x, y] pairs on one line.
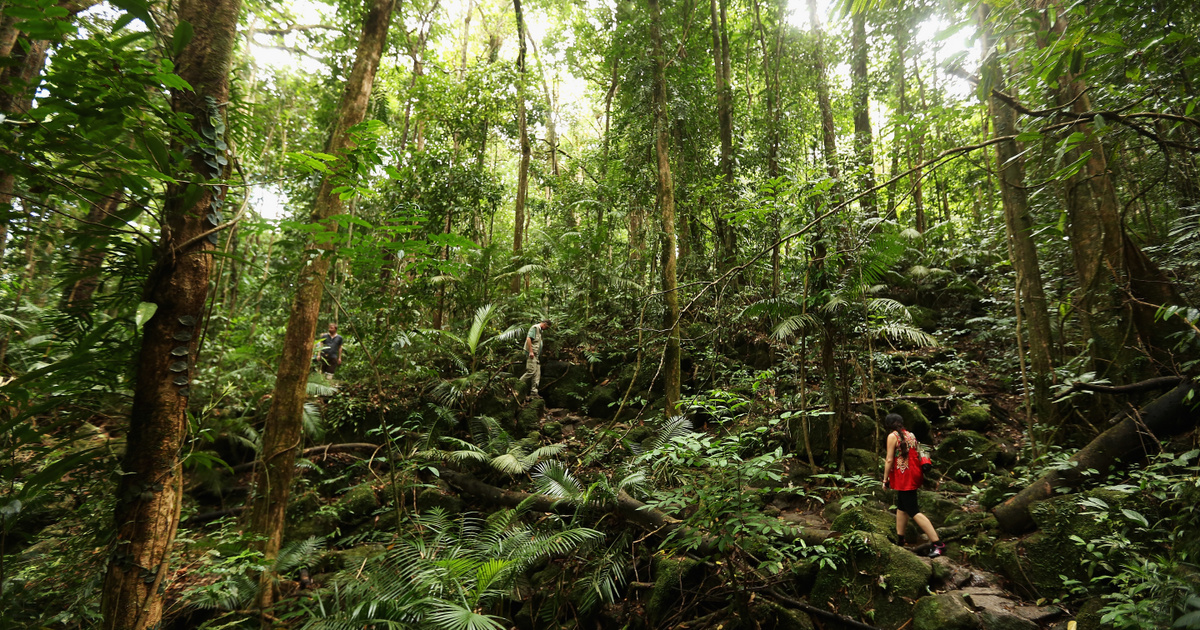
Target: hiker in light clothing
[[533, 347]]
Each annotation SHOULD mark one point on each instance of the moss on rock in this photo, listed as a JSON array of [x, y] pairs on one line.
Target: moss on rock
[[358, 502], [897, 579], [948, 611], [865, 519], [671, 577], [914, 419], [862, 462], [972, 416], [767, 614], [965, 455]]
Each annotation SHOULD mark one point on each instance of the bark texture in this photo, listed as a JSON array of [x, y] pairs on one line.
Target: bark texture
[[863, 137], [1022, 248], [666, 207], [281, 436], [1129, 441], [523, 130], [148, 496]]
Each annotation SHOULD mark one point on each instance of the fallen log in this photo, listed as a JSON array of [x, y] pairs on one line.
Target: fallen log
[[1161, 382], [351, 447], [1130, 440], [628, 507]]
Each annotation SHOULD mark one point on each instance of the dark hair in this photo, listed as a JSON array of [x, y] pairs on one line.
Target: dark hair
[[893, 422]]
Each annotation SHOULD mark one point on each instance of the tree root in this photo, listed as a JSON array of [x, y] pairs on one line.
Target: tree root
[[1130, 440]]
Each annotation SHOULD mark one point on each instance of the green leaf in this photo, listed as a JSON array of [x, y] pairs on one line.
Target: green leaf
[[182, 37], [145, 311], [1029, 136], [1109, 39]]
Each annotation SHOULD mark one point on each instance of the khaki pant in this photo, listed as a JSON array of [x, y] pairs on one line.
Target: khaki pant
[[533, 371]]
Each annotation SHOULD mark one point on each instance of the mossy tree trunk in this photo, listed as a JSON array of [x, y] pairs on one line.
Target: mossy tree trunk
[[148, 495], [666, 206]]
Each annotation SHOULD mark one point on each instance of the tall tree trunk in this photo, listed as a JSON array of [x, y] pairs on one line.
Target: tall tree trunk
[[523, 130], [828, 130], [1108, 265], [148, 494], [861, 89], [1022, 248], [281, 436], [726, 238], [666, 206]]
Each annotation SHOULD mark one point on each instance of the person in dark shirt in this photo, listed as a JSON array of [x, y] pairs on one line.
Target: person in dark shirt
[[331, 351]]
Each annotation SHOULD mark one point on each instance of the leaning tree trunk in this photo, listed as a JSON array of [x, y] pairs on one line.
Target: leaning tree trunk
[[148, 496], [666, 206], [1129, 441], [281, 436]]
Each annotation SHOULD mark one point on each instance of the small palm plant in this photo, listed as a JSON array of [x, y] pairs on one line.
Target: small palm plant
[[495, 447], [453, 577], [463, 390]]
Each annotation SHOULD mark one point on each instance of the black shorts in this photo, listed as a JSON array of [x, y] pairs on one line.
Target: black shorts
[[906, 501]]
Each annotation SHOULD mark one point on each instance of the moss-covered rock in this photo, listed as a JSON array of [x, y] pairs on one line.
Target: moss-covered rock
[[965, 455], [862, 462], [671, 577], [358, 502], [914, 420], [997, 488], [863, 432], [948, 611], [602, 401], [972, 416], [937, 507], [431, 498], [865, 519], [768, 614], [568, 387], [897, 579], [529, 417], [308, 516]]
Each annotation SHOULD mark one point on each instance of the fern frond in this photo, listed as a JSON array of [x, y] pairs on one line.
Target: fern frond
[[673, 427]]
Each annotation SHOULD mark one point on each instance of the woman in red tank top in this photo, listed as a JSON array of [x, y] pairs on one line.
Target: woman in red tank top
[[902, 467]]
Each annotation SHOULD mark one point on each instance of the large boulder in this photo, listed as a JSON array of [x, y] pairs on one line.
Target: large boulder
[[948, 611], [897, 580], [966, 455], [862, 462], [914, 420], [972, 416], [865, 519], [565, 385]]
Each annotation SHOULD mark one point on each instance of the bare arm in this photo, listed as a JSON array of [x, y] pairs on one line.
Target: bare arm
[[529, 345], [887, 462]]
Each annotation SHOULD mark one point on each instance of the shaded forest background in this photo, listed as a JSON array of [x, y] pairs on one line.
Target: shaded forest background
[[756, 228]]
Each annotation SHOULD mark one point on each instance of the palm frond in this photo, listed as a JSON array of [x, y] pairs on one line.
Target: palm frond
[[888, 306], [483, 315], [553, 479], [313, 421], [792, 325], [905, 333], [297, 554]]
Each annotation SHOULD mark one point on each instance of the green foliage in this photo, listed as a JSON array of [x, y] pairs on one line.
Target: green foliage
[[450, 577], [1145, 570]]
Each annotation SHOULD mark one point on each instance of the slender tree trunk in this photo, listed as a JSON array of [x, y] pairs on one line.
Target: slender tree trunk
[[726, 238], [523, 130], [91, 257], [666, 206], [828, 131], [1023, 250], [860, 87], [281, 436], [148, 494]]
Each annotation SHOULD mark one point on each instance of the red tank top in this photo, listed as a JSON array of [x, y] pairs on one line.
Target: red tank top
[[906, 470]]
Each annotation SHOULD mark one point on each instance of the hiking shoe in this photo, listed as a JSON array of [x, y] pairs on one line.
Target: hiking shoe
[[939, 549]]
